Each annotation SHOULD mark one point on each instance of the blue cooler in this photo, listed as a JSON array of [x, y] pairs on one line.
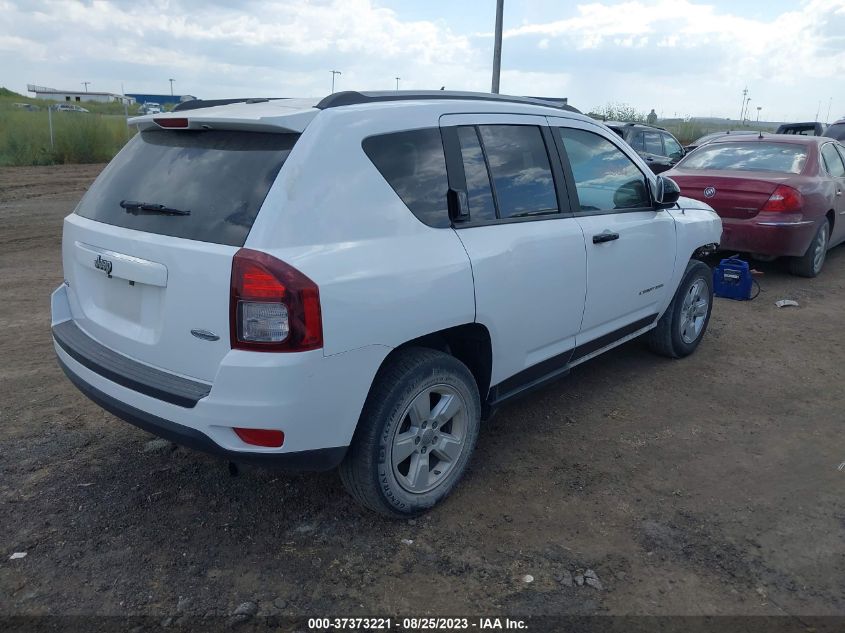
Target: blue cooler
[[732, 279]]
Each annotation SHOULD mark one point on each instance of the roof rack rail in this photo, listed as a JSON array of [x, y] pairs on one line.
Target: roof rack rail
[[351, 97], [196, 104]]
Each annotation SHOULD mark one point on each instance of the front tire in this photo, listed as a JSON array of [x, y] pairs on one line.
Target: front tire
[[682, 326], [416, 433], [810, 264]]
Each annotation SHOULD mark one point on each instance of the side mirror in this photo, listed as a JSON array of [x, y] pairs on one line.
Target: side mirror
[[666, 192]]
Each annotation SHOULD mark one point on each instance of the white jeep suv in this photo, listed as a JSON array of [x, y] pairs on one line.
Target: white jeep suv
[[360, 281]]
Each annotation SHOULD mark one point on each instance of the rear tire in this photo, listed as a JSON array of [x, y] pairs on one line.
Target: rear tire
[[810, 263], [416, 433], [682, 326]]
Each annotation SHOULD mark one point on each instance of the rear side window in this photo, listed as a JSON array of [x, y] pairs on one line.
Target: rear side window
[[786, 158], [220, 177], [832, 161], [520, 170], [637, 142], [605, 178], [653, 144], [413, 163]]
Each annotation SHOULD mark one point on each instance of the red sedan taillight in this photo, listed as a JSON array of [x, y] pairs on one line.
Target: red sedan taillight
[[272, 307], [784, 200]]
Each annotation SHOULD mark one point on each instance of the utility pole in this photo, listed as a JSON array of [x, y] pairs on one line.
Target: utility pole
[[758, 113], [742, 110], [397, 82], [818, 110], [171, 86], [827, 118], [745, 110], [85, 83], [497, 47], [334, 72]]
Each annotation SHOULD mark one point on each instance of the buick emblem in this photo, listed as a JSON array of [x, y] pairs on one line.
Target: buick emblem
[[103, 264], [710, 192]]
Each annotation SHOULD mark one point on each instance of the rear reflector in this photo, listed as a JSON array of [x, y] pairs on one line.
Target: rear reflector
[[784, 200], [271, 438], [171, 123]]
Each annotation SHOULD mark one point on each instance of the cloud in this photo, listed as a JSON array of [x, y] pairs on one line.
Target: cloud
[[677, 55], [227, 45]]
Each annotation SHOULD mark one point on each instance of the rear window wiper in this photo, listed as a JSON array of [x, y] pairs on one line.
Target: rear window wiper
[[134, 207]]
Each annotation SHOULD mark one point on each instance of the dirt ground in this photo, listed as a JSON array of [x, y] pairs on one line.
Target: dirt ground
[[710, 485]]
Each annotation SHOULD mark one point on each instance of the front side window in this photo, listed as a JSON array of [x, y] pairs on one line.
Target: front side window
[[520, 170], [605, 178], [672, 147], [832, 161], [414, 165]]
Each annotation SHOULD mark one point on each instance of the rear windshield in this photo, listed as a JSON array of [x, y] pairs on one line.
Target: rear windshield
[[837, 131], [788, 158], [221, 177]]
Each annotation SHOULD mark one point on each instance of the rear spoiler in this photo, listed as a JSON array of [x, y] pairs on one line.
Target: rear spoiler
[[195, 115], [196, 104]]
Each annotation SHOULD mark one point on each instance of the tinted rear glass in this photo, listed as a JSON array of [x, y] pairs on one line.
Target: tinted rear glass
[[781, 157], [221, 177], [837, 131], [413, 163]]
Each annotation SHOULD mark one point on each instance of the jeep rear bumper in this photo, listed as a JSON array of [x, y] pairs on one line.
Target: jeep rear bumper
[[313, 460], [314, 399]]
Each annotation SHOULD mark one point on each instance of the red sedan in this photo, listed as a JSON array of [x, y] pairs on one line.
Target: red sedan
[[777, 195]]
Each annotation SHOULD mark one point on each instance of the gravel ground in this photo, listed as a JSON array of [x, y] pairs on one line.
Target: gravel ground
[[711, 485]]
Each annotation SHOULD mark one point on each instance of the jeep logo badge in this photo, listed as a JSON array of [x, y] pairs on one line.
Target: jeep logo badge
[[709, 192], [103, 264]]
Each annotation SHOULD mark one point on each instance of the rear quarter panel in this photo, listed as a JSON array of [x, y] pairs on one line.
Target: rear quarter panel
[[385, 277]]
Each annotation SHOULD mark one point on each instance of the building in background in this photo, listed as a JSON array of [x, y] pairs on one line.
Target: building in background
[[42, 92]]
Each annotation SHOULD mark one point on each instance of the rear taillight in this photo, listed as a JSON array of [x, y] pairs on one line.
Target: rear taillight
[[272, 307], [784, 200]]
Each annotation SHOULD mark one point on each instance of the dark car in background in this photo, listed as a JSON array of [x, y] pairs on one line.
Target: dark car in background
[[836, 130], [810, 128], [777, 194], [657, 147], [714, 135]]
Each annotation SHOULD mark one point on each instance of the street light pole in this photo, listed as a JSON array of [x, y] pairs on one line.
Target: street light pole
[[334, 72], [397, 82], [85, 83], [171, 86], [758, 113], [742, 110], [497, 47]]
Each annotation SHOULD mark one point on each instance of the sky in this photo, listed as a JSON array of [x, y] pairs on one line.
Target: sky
[[680, 57]]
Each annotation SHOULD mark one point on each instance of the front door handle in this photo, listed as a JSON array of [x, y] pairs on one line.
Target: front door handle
[[605, 237]]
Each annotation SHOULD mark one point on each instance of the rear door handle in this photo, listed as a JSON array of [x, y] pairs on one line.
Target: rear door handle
[[605, 237]]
